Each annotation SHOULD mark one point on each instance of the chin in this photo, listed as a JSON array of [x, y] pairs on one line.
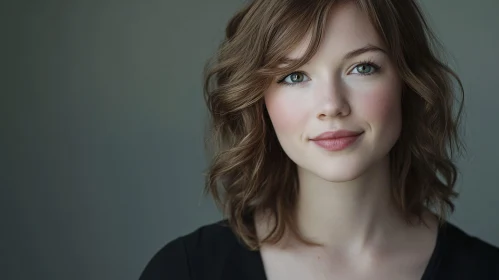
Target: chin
[[340, 169], [339, 174]]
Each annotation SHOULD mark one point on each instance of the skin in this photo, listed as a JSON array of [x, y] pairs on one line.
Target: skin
[[344, 201]]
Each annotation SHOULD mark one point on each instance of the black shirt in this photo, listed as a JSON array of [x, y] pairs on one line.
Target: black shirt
[[213, 252]]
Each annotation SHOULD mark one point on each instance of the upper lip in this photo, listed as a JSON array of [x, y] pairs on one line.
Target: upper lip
[[336, 134]]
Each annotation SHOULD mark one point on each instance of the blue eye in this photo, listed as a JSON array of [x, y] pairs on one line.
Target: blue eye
[[366, 68], [293, 78]]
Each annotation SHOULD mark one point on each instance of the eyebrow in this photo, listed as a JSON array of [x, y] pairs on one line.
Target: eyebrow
[[367, 48], [349, 55]]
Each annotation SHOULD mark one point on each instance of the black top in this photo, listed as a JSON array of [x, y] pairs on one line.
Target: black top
[[213, 252]]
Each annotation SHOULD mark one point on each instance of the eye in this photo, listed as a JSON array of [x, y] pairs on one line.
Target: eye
[[294, 78], [366, 68]]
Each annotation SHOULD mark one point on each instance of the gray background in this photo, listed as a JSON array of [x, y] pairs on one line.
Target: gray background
[[102, 121]]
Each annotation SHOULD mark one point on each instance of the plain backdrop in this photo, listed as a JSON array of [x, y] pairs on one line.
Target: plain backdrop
[[102, 122]]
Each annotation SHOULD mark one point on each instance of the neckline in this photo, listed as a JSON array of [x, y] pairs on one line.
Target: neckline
[[251, 262], [436, 256]]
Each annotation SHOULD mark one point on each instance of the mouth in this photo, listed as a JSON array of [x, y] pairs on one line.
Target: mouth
[[337, 140], [338, 134]]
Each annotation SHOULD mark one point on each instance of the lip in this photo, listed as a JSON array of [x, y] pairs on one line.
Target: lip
[[336, 140], [336, 135]]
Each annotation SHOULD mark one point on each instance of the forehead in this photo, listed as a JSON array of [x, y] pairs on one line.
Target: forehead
[[347, 28]]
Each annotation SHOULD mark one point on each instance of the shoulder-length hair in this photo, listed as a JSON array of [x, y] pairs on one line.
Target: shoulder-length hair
[[250, 172]]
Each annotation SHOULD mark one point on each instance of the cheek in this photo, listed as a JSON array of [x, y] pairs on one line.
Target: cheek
[[285, 113], [381, 106]]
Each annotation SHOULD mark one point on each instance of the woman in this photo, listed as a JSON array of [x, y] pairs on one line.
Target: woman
[[335, 130]]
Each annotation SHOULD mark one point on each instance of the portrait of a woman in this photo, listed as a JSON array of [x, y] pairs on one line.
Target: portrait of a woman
[[334, 129]]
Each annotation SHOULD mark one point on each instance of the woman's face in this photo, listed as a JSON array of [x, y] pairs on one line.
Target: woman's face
[[350, 84]]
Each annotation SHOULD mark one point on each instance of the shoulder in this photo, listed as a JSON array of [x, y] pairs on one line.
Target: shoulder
[[201, 251], [467, 256]]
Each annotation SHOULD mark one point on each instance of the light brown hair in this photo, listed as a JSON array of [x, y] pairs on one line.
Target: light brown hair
[[250, 173]]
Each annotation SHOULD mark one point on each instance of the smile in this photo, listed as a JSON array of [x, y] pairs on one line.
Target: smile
[[336, 142]]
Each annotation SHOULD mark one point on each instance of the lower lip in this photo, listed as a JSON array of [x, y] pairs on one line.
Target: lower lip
[[337, 144]]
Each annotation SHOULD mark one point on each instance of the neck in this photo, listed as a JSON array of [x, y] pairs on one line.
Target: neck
[[353, 215]]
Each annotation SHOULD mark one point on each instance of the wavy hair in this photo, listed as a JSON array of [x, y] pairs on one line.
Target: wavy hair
[[250, 172]]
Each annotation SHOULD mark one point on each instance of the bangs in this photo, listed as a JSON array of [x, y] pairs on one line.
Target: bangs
[[295, 22]]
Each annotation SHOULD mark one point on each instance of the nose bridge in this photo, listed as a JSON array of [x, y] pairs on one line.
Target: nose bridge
[[331, 98]]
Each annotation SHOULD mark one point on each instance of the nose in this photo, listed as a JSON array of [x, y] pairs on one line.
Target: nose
[[332, 101]]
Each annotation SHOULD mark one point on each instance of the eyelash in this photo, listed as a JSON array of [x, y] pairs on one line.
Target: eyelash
[[375, 66]]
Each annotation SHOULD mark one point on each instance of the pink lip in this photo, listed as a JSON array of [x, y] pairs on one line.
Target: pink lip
[[336, 140]]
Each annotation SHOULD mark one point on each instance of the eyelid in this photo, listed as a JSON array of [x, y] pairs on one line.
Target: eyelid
[[369, 62], [282, 78]]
